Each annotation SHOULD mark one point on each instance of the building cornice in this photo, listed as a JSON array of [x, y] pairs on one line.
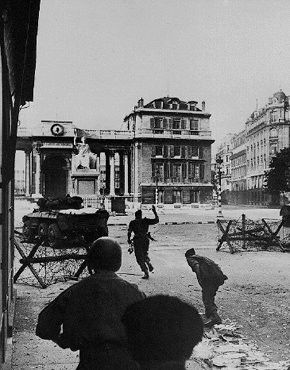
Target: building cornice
[[167, 112]]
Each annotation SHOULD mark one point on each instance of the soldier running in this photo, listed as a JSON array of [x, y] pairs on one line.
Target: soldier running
[[210, 277], [140, 227]]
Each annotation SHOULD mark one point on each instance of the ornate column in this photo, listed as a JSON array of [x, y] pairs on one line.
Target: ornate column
[[126, 175], [112, 174], [36, 153], [27, 173], [136, 172]]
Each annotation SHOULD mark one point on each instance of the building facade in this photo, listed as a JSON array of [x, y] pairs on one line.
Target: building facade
[[171, 151], [224, 152], [162, 155], [266, 132]]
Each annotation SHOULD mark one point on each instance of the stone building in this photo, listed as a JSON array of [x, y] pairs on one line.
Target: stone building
[[238, 161], [224, 151], [267, 132], [171, 151], [162, 154]]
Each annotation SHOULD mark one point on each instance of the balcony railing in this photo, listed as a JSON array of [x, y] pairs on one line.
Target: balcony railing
[[173, 134], [176, 180]]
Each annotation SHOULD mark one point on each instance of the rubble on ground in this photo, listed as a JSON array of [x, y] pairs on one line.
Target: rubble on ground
[[223, 347]]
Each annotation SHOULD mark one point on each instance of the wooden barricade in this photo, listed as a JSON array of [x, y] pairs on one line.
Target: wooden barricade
[[244, 233]]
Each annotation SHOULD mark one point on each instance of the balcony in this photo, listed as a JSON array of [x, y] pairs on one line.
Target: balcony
[[176, 180], [173, 134], [110, 134]]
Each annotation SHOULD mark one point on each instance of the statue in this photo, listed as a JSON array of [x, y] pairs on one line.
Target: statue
[[85, 159]]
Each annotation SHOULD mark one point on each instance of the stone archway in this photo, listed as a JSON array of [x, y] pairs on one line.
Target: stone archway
[[55, 170]]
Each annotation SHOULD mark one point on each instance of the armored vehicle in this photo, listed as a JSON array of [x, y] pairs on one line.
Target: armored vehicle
[[62, 223]]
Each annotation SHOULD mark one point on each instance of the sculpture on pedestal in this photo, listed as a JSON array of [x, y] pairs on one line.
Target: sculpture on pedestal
[[85, 159]]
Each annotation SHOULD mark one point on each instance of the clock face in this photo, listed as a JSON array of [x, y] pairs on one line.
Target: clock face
[[57, 129]]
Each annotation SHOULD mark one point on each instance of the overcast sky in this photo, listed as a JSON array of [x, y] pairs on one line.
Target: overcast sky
[[96, 58]]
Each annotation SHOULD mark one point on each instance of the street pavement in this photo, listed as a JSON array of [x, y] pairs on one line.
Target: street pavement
[[223, 347]]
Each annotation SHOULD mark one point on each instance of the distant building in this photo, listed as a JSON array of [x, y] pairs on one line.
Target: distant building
[[163, 153], [266, 132], [225, 152], [171, 151], [238, 161]]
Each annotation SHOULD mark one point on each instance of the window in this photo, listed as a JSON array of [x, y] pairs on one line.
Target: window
[[196, 172], [157, 122], [176, 196], [158, 172], [159, 150], [177, 151], [273, 132], [194, 151], [176, 124], [194, 124], [176, 172], [174, 106]]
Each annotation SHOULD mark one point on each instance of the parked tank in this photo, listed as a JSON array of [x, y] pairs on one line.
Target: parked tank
[[62, 223]]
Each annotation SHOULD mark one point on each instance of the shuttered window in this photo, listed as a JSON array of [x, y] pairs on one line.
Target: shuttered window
[[183, 124], [194, 124], [165, 151], [176, 124], [194, 151], [182, 151], [184, 172], [159, 150], [177, 151], [202, 171]]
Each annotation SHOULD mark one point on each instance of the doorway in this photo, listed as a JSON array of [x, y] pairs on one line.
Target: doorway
[[55, 170]]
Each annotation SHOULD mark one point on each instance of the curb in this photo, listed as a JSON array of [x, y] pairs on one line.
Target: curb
[[175, 223]]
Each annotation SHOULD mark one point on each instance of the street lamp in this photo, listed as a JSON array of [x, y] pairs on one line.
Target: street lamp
[[157, 174], [103, 187], [219, 162]]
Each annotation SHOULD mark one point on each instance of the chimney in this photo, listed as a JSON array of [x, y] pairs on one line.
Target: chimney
[[203, 106], [140, 103]]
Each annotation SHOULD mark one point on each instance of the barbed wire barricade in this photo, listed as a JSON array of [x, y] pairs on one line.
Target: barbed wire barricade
[[38, 264], [250, 235]]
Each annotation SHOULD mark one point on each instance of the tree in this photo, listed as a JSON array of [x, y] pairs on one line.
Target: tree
[[277, 179]]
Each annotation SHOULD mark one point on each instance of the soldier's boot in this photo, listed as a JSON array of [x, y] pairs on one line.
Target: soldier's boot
[[150, 267], [214, 319], [146, 275]]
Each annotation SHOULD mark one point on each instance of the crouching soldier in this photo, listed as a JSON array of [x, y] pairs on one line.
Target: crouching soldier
[[210, 277]]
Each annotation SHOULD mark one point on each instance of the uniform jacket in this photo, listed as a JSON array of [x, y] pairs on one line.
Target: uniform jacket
[[140, 227], [89, 312], [208, 271]]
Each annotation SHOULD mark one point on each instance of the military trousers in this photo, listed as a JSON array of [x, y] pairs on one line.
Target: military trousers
[[208, 298]]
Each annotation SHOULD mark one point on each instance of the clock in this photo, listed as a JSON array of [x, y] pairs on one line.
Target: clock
[[57, 129]]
